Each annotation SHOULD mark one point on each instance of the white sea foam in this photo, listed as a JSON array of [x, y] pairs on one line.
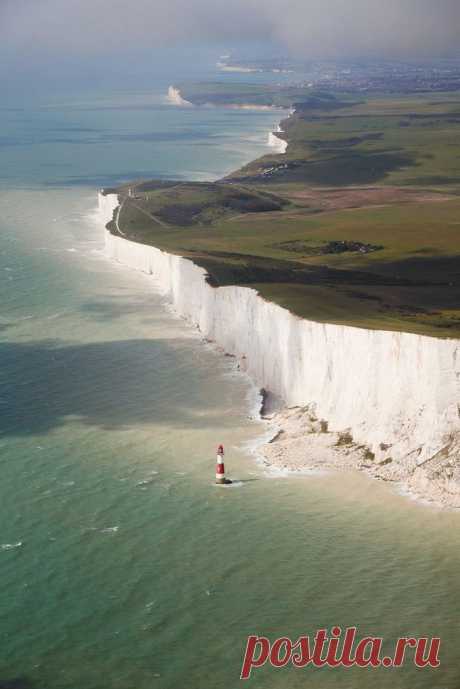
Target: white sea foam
[[145, 482], [11, 546], [233, 484], [404, 491]]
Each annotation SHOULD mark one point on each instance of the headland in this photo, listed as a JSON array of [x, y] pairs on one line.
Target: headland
[[329, 268]]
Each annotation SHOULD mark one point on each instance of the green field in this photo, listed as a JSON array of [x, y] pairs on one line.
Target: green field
[[358, 223], [412, 140], [234, 93]]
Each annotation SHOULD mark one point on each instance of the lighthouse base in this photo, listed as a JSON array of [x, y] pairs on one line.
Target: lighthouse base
[[223, 481]]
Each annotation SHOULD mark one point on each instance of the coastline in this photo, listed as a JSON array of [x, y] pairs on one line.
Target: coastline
[[380, 402], [279, 145], [341, 412], [299, 444], [174, 97], [113, 407]]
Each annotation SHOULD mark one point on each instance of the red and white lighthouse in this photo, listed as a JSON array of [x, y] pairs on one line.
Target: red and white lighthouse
[[220, 468]]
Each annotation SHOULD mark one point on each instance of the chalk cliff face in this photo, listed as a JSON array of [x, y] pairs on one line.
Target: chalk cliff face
[[175, 98], [398, 393], [277, 143]]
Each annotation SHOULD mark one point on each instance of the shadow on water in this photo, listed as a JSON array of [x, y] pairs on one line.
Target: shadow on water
[[113, 308], [239, 481], [106, 384], [17, 683]]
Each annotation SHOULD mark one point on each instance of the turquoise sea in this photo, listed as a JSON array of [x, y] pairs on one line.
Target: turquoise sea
[[122, 566]]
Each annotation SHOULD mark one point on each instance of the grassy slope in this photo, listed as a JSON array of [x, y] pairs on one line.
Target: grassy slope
[[273, 230], [394, 141], [234, 93]]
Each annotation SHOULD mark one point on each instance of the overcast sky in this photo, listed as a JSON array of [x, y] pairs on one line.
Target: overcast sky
[[34, 32]]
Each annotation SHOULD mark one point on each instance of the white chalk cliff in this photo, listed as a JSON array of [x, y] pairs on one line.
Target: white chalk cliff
[[276, 142], [174, 97], [395, 391]]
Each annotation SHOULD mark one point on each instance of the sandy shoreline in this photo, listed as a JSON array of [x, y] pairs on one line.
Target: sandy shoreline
[[301, 443]]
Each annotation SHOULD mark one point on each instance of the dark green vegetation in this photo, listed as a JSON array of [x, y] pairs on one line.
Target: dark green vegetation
[[308, 248], [259, 95], [203, 203], [358, 223], [403, 141]]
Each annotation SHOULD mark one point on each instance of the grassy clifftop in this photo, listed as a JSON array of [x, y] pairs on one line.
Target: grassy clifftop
[[405, 141], [358, 223]]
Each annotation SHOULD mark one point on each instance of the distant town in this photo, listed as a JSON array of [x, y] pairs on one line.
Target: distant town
[[356, 75]]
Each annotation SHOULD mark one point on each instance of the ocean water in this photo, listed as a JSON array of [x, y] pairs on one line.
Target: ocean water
[[121, 564]]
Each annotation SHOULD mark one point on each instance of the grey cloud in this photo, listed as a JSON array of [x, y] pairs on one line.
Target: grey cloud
[[309, 28], [369, 27]]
